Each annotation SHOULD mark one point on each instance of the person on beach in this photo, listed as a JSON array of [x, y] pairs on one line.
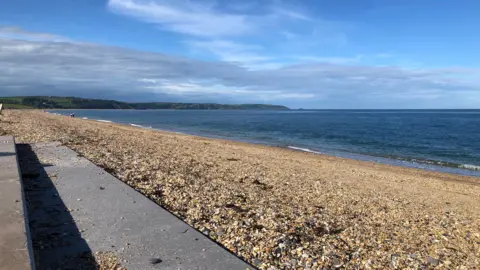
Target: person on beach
[[72, 115], [1, 108]]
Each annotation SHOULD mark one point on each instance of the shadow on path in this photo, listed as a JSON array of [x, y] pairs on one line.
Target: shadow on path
[[56, 239], [2, 154]]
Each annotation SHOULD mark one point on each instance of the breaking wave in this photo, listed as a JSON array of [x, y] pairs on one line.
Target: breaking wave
[[140, 126], [304, 149]]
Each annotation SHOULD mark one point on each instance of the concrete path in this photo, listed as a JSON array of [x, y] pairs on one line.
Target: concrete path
[[77, 209], [14, 247]]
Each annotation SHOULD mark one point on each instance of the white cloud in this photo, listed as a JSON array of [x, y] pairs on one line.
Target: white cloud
[[10, 32], [290, 13], [246, 55], [332, 60], [214, 87], [184, 17], [18, 48], [66, 68], [231, 31], [200, 19]]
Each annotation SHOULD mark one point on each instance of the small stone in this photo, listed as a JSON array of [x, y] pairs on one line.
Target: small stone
[[433, 261], [155, 261], [336, 263], [257, 262], [278, 252]]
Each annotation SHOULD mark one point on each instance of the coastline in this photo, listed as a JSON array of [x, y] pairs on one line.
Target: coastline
[[280, 207], [402, 161]]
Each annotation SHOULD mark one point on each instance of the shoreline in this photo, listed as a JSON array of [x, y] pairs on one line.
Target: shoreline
[[279, 207], [447, 176], [404, 162]]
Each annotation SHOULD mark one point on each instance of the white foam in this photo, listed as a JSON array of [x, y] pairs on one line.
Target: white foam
[[104, 121], [140, 126], [470, 167], [304, 150], [84, 118]]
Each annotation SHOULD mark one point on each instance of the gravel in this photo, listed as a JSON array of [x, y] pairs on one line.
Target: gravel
[[279, 208]]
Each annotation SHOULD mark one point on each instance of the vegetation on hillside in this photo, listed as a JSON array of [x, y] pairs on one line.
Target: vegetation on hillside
[[82, 103]]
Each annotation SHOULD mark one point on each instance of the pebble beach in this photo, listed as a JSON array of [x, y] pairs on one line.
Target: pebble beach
[[279, 208]]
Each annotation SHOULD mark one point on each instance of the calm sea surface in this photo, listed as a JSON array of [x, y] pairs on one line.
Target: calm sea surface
[[442, 140]]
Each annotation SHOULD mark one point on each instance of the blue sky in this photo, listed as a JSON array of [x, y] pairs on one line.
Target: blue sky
[[299, 53]]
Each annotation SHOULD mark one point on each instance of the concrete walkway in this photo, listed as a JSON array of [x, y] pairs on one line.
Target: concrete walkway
[[14, 247], [76, 209]]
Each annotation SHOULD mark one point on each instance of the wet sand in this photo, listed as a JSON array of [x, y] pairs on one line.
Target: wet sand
[[278, 207]]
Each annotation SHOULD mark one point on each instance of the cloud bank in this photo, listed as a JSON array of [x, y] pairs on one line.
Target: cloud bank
[[51, 65]]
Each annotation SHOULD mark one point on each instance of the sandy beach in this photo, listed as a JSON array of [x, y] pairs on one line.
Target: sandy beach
[[278, 208]]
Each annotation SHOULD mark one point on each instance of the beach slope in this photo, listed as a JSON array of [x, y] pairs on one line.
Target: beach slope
[[279, 207]]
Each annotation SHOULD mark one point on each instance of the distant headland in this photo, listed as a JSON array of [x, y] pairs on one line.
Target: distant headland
[[53, 102]]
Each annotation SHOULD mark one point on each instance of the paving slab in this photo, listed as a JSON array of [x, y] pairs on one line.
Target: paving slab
[[76, 208], [14, 247]]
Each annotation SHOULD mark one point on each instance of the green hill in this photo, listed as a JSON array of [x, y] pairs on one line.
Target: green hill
[[44, 102]]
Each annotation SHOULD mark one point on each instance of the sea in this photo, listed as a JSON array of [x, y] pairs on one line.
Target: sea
[[436, 140]]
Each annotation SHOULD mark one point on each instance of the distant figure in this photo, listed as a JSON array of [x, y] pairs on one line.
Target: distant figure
[[1, 108], [72, 115]]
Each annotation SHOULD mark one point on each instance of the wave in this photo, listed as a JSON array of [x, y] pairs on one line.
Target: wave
[[441, 163], [304, 149], [426, 162], [437, 163], [104, 121], [140, 126], [84, 118], [470, 167]]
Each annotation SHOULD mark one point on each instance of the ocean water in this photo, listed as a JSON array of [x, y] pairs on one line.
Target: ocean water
[[440, 140]]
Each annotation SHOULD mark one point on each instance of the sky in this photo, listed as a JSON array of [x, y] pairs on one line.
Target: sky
[[323, 54]]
